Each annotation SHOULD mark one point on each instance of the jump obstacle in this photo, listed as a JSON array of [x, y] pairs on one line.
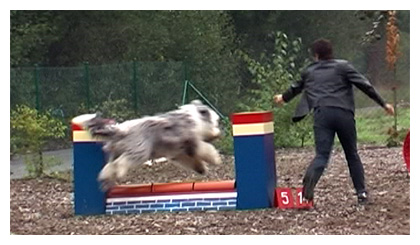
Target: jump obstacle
[[254, 186]]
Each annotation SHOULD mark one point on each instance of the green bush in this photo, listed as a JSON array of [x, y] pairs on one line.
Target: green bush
[[271, 75], [225, 143], [30, 131]]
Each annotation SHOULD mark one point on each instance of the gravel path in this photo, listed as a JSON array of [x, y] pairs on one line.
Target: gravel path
[[65, 156]]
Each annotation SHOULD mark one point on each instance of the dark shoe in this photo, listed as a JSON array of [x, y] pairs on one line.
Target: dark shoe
[[308, 189], [362, 198]]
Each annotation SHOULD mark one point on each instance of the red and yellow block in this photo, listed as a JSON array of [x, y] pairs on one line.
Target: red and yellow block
[[252, 123]]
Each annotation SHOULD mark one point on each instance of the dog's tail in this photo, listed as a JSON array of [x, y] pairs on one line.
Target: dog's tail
[[96, 125]]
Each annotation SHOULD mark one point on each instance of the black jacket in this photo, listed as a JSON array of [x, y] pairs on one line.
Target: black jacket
[[329, 83]]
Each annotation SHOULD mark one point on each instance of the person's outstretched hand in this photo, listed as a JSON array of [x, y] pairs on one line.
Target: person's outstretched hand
[[389, 109], [278, 99]]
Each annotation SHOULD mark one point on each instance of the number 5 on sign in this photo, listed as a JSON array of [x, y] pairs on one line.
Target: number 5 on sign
[[284, 198]]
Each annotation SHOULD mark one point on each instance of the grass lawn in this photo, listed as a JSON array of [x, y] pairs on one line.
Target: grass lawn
[[373, 125]]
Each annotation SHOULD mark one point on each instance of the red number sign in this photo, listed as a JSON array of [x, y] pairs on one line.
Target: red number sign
[[284, 198], [290, 198]]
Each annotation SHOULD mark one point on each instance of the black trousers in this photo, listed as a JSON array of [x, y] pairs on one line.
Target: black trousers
[[329, 121]]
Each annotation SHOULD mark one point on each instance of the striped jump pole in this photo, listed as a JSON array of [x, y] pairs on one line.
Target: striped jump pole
[[255, 167], [88, 160]]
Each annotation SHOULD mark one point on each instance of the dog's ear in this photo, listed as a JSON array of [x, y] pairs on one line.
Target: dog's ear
[[196, 102]]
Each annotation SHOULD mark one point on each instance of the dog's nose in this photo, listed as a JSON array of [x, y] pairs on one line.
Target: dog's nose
[[216, 132]]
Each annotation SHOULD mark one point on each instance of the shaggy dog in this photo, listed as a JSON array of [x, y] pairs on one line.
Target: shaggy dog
[[181, 136]]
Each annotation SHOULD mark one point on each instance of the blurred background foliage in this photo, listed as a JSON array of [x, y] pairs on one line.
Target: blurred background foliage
[[135, 63]]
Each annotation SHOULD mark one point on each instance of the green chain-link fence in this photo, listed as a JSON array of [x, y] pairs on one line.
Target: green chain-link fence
[[153, 87], [148, 87]]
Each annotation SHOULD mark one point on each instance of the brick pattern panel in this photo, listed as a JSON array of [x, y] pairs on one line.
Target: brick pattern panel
[[174, 204]]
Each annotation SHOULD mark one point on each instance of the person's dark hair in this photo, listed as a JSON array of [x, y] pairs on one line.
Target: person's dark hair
[[323, 48]]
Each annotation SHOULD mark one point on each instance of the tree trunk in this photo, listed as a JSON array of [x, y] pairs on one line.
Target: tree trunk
[[39, 165]]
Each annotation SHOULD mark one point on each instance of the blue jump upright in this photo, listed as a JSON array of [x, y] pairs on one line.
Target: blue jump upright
[[88, 160], [255, 167]]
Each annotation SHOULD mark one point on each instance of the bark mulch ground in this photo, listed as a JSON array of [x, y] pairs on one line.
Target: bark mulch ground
[[44, 206]]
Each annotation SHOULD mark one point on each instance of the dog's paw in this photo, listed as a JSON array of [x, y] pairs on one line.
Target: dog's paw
[[218, 160], [106, 185]]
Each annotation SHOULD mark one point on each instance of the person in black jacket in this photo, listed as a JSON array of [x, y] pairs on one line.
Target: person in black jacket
[[327, 86]]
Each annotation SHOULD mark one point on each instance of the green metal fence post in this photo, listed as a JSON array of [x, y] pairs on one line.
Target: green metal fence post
[[135, 90], [206, 100], [186, 79], [36, 81], [184, 94], [87, 85]]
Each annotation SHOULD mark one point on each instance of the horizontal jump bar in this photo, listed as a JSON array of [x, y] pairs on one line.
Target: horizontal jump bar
[[156, 188]]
